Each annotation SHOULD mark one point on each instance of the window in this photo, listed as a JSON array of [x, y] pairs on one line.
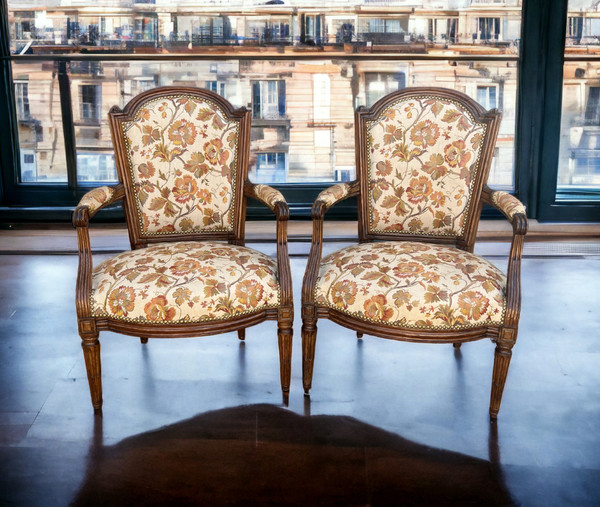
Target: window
[[22, 99], [90, 102], [268, 100], [486, 96], [487, 29], [270, 168], [96, 167], [302, 98], [571, 188], [216, 86], [442, 29], [321, 97], [379, 85], [592, 108], [311, 33]]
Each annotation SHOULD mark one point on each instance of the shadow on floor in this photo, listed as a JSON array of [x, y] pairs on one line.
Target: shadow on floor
[[266, 455]]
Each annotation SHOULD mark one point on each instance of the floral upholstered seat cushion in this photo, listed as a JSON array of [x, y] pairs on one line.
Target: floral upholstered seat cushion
[[412, 285], [184, 282]]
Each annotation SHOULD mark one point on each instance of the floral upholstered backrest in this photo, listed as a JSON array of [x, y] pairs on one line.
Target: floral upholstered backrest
[[423, 155], [182, 163]]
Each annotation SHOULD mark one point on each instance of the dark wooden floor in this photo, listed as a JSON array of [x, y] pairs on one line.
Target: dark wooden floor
[[200, 421]]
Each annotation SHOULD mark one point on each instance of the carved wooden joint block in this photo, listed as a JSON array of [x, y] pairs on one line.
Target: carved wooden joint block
[[87, 327], [285, 315], [308, 311], [507, 338]]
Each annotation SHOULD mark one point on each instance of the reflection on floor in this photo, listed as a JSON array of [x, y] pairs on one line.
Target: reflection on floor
[[262, 453], [201, 421]]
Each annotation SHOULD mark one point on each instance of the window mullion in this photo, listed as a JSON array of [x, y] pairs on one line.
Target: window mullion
[[66, 106]]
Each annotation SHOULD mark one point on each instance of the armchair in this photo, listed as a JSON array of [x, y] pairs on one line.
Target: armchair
[[182, 160], [423, 156]]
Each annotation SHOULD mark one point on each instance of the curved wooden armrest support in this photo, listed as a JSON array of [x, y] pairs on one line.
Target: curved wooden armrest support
[[514, 211], [325, 200], [274, 200], [89, 205]]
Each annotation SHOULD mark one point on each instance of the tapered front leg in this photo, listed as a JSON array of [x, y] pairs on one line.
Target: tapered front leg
[[143, 340], [91, 355], [284, 336], [309, 340], [502, 357], [242, 333]]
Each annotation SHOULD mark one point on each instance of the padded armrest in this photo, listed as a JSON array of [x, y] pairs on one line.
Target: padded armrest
[[508, 204], [335, 194], [100, 197], [265, 194]]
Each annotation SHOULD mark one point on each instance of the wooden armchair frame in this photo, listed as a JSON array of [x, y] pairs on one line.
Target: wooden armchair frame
[[90, 326], [503, 336]]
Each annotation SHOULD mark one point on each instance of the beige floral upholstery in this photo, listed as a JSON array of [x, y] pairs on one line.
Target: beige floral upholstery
[[184, 282], [94, 199], [507, 203], [334, 194], [269, 195], [182, 155], [412, 285], [423, 155]]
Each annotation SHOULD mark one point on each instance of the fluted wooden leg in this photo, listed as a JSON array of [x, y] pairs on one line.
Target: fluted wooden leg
[[143, 339], [242, 334], [309, 340], [284, 336], [501, 362], [91, 355]]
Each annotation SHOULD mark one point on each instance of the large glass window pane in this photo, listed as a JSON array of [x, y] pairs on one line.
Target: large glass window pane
[[39, 119], [579, 159], [330, 59]]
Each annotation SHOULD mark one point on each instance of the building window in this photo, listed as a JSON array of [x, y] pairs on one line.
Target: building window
[[487, 96], [487, 29], [321, 97], [91, 96], [216, 86], [311, 30], [270, 168], [380, 84], [93, 167], [442, 30], [592, 109], [268, 100], [22, 99], [574, 29]]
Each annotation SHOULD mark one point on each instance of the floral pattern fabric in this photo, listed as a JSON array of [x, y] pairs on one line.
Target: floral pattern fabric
[[182, 154], [269, 195], [423, 156], [412, 285], [507, 203], [334, 194], [94, 199], [184, 282]]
